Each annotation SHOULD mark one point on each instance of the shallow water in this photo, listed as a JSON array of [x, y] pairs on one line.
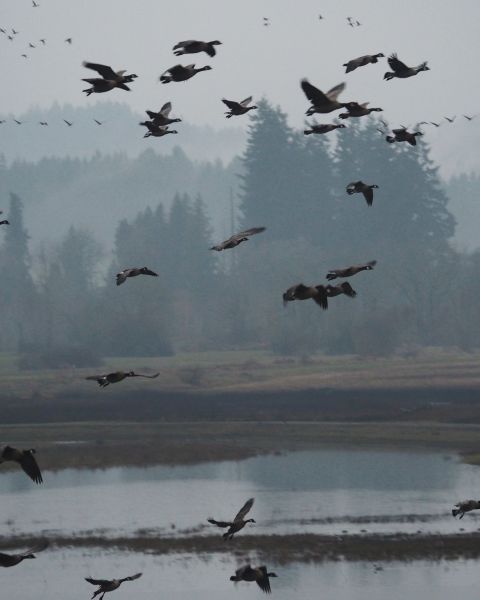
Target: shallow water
[[296, 492]]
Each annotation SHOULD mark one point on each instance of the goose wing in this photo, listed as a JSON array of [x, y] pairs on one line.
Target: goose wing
[[396, 65], [122, 276], [37, 548], [316, 96], [335, 91], [263, 581], [105, 71], [244, 510], [232, 104], [348, 290], [97, 581], [154, 376], [246, 101], [177, 70], [132, 577], [30, 467], [321, 297], [220, 523], [248, 232], [368, 195], [166, 108], [149, 272]]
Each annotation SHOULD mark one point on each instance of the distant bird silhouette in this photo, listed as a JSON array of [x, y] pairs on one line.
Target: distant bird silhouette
[[358, 187], [156, 130], [258, 574], [2, 30], [238, 522], [322, 103], [161, 117], [133, 272], [403, 135], [109, 585], [238, 108], [358, 110], [68, 41], [24, 56], [104, 380], [35, 4], [30, 45], [266, 21], [43, 40], [18, 122], [316, 128], [194, 46], [181, 73], [98, 122], [15, 32], [26, 460], [11, 560], [44, 123], [361, 61], [435, 124], [450, 119], [401, 70], [469, 118], [69, 123], [237, 239], [10, 37], [2, 121], [350, 271], [109, 74]]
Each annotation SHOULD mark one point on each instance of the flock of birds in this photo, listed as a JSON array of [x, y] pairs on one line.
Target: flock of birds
[[158, 126]]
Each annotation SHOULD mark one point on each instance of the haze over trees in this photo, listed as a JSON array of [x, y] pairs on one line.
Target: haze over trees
[[63, 297]]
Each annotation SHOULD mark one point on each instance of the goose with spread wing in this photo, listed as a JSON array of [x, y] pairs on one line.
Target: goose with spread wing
[[350, 271], [358, 110], [323, 128], [237, 239], [238, 522], [134, 272], [181, 73], [25, 458], [238, 108], [161, 117], [194, 46], [322, 102], [400, 69], [358, 187], [317, 293], [403, 135], [260, 575], [109, 585], [11, 560], [361, 61], [104, 380]]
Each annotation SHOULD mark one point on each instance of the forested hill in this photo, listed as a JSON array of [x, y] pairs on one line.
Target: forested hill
[[119, 129]]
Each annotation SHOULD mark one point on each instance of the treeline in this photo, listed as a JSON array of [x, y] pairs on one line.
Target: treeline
[[422, 291]]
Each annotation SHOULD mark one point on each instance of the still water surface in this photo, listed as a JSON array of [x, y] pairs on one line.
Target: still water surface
[[323, 491]]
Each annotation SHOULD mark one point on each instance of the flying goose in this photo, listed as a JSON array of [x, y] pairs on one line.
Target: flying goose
[[403, 135], [317, 293], [109, 585], [156, 130], [361, 61], [109, 74], [341, 288], [68, 123], [43, 40], [238, 108], [350, 271], [4, 222], [257, 574], [11, 560], [358, 187], [25, 458], [401, 70], [98, 122], [133, 272], [464, 507], [35, 4], [238, 522], [161, 117], [104, 380], [358, 110], [450, 119], [99, 86], [322, 103], [469, 118], [194, 46], [68, 41], [237, 239], [44, 123], [181, 73], [315, 128]]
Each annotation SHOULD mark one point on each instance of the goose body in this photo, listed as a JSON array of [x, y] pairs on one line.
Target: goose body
[[400, 69], [26, 460], [361, 61], [238, 522], [194, 46], [403, 135], [238, 108], [322, 102], [350, 271], [358, 110], [358, 187], [11, 560], [317, 293], [323, 128], [260, 575], [100, 86], [134, 272], [465, 506], [109, 79], [109, 585], [117, 376], [156, 130], [181, 73], [237, 239], [161, 117]]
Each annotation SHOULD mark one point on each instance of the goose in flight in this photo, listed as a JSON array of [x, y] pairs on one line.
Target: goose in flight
[[465, 506], [11, 560], [403, 135], [109, 74], [238, 108], [401, 70], [133, 272], [109, 585], [156, 130], [258, 574], [26, 460], [237, 239], [361, 61], [181, 73], [322, 102], [358, 187], [194, 46], [238, 522], [358, 110], [104, 380], [350, 271], [315, 128], [161, 117]]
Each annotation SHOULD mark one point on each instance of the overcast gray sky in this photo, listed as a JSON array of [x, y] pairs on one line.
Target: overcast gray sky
[[139, 34]]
